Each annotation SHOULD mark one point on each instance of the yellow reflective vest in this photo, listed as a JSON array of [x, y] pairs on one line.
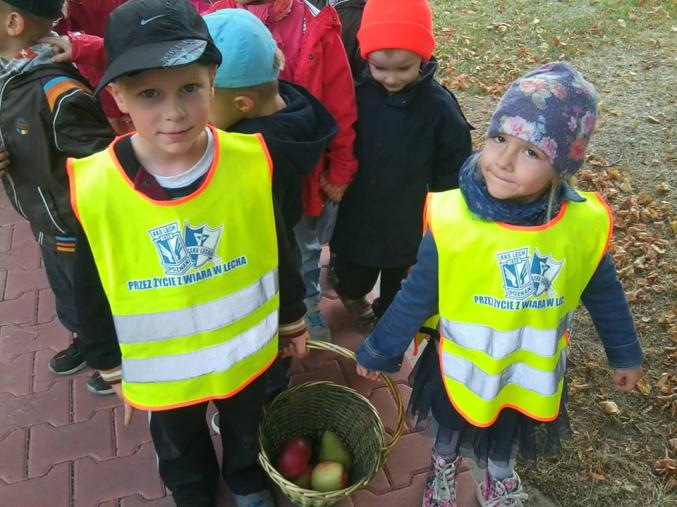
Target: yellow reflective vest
[[506, 298], [192, 283]]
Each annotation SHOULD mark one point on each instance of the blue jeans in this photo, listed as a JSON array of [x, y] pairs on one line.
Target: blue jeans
[[308, 233]]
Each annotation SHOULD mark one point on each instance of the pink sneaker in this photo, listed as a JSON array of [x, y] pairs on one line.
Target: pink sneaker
[[440, 487], [506, 493]]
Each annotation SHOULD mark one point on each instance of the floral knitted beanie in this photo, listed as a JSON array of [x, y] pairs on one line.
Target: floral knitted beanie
[[553, 108]]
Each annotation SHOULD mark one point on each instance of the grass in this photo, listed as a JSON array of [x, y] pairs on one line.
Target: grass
[[485, 45]]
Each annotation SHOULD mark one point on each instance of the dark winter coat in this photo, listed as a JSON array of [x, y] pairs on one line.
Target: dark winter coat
[[296, 137], [407, 144]]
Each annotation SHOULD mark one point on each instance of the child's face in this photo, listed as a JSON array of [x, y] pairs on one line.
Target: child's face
[[515, 169], [394, 68], [169, 107]]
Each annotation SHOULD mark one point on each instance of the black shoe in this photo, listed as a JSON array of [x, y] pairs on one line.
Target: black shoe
[[67, 361], [97, 385]]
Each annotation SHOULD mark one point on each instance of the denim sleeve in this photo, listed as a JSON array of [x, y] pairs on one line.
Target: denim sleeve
[[605, 300], [414, 303]]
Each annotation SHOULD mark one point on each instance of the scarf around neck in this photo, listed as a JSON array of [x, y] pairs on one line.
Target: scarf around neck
[[482, 204]]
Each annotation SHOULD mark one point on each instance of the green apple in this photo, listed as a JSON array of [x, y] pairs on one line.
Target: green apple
[[332, 449], [328, 476]]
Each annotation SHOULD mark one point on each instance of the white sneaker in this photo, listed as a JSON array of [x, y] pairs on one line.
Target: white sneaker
[[506, 493]]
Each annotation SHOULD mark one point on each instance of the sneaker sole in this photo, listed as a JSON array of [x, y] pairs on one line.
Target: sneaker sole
[[102, 393], [79, 367]]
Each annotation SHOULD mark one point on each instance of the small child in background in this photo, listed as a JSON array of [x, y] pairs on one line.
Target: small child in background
[[47, 113], [504, 263], [315, 59], [297, 128], [411, 139]]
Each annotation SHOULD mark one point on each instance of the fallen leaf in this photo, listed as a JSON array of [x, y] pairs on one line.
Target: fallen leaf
[[643, 386], [598, 476], [609, 407], [653, 119]]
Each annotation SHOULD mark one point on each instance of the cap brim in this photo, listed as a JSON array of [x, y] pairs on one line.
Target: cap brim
[[157, 55]]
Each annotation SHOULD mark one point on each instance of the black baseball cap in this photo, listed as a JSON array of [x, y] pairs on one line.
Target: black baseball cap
[[155, 34], [48, 9]]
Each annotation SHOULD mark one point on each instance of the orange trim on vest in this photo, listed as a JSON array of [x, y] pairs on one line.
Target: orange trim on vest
[[528, 228], [170, 202], [264, 147], [426, 212], [70, 171], [207, 398], [503, 406]]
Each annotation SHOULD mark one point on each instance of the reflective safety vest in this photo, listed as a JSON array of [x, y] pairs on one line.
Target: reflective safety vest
[[506, 298], [192, 283]]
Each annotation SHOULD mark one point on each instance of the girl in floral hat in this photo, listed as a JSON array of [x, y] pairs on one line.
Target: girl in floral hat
[[503, 265]]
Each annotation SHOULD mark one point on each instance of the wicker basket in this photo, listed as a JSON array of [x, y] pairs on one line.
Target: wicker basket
[[308, 410]]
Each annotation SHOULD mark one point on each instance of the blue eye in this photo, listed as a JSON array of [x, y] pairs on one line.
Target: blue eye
[[148, 94], [190, 88]]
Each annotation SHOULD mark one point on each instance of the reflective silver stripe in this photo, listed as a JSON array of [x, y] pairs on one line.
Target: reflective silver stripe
[[488, 386], [209, 316], [499, 344], [208, 360]]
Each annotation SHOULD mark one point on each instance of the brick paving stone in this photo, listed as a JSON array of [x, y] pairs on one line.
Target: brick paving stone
[[379, 483], [51, 490], [46, 306], [137, 501], [50, 445], [9, 216], [16, 375], [23, 258], [20, 310], [128, 439], [22, 236], [465, 489], [410, 456], [6, 232], [329, 371], [16, 340], [21, 281], [366, 386], [96, 482], [85, 404], [46, 407], [405, 497], [12, 457]]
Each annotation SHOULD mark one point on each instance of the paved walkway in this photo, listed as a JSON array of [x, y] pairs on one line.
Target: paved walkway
[[61, 446]]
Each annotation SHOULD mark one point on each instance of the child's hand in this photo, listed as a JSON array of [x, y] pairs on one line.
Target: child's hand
[[4, 161], [129, 410], [63, 49], [296, 347], [625, 379], [370, 374], [334, 192]]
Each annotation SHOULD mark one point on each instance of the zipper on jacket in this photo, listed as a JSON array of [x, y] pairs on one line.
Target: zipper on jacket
[[16, 196], [2, 96], [49, 212]]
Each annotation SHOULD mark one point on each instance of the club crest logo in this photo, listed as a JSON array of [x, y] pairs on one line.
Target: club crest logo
[[526, 275], [182, 250]]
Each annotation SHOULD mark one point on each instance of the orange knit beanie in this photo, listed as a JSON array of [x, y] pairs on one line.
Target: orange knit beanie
[[397, 24]]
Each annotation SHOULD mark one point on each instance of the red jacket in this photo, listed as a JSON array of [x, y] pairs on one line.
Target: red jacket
[[323, 69]]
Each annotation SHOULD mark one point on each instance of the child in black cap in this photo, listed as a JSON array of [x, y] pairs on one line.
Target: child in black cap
[[186, 268], [47, 113]]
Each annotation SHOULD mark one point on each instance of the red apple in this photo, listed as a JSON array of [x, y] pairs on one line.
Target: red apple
[[294, 457], [329, 476]]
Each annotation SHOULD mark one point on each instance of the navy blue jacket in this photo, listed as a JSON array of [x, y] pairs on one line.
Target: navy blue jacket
[[407, 144], [603, 297], [296, 137]]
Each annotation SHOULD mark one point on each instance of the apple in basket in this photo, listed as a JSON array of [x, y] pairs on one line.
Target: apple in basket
[[328, 476], [294, 458], [303, 480]]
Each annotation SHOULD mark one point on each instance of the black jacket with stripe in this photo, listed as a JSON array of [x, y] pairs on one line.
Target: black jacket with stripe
[[48, 113]]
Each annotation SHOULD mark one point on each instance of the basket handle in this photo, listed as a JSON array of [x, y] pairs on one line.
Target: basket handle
[[394, 392]]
